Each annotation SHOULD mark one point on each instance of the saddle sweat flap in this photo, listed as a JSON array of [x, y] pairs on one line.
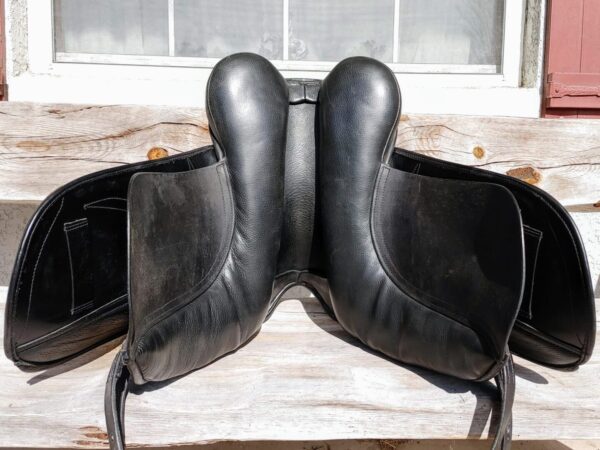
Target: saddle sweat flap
[[180, 231]]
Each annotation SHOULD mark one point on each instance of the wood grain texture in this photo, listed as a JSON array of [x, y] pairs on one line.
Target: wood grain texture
[[302, 378], [560, 156], [43, 146]]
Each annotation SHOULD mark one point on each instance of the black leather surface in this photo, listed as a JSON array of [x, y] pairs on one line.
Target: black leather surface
[[166, 211], [430, 263], [461, 257], [300, 249], [556, 323], [79, 231], [247, 109], [435, 313]]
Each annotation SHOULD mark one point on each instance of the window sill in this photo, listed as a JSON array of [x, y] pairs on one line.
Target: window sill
[[160, 86]]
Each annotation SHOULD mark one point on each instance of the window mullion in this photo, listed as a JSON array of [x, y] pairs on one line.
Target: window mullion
[[286, 31], [396, 42], [171, 12]]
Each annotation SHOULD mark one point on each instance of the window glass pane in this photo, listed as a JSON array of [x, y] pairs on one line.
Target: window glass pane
[[120, 27], [451, 31], [207, 28], [335, 29]]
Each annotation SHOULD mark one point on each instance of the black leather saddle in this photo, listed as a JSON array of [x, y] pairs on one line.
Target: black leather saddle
[[433, 264]]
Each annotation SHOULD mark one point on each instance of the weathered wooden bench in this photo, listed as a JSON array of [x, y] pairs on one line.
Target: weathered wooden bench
[[302, 382]]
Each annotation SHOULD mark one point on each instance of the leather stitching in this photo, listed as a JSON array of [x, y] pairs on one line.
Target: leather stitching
[[95, 204], [114, 304]]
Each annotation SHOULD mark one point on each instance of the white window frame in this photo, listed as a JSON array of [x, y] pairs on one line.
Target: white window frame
[[87, 78]]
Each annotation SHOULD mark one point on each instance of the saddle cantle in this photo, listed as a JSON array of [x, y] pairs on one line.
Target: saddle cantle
[[434, 264]]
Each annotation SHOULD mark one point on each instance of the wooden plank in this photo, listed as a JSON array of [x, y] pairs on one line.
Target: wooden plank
[[302, 378], [559, 156], [43, 146]]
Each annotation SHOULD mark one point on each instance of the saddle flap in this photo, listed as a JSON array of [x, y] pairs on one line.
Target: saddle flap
[[68, 291], [556, 324]]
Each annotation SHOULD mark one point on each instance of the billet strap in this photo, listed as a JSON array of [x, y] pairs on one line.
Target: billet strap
[[506, 385], [115, 394]]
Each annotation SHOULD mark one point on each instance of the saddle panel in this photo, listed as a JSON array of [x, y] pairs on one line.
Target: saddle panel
[[453, 246], [411, 300], [556, 323], [68, 291], [217, 294]]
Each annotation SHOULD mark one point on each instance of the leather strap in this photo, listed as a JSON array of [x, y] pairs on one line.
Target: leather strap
[[506, 385], [115, 394], [117, 387]]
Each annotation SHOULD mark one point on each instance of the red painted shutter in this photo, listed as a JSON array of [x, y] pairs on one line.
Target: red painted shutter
[[572, 84]]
